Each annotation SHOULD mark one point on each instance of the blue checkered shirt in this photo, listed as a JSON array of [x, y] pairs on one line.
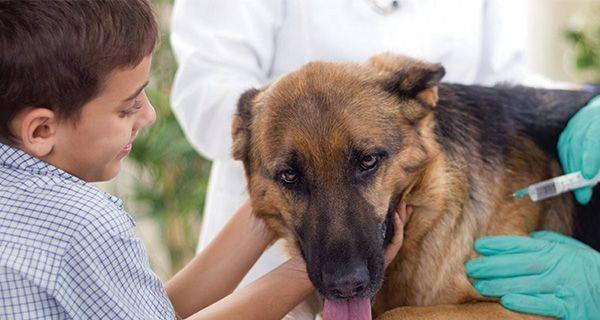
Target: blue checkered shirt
[[67, 249]]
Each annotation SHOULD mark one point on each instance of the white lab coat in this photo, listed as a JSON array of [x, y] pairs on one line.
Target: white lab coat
[[225, 47]]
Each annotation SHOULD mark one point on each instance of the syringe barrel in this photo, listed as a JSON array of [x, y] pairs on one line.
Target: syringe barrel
[[556, 186], [543, 190]]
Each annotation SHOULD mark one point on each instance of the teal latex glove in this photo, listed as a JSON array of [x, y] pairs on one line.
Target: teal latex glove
[[548, 274], [579, 146]]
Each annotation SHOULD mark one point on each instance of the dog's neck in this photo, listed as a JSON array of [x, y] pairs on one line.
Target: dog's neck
[[431, 184], [429, 194]]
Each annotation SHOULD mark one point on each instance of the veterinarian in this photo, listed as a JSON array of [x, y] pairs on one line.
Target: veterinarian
[[548, 273], [225, 47]]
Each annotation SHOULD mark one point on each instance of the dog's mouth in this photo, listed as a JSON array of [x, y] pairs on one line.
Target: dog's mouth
[[353, 306], [353, 309]]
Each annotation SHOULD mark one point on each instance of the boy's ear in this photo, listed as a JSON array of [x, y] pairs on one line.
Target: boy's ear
[[408, 77], [240, 127], [35, 128]]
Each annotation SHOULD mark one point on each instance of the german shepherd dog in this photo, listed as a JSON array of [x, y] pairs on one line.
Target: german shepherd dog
[[331, 149]]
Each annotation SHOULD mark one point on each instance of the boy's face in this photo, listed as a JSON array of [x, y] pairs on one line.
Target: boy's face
[[92, 148]]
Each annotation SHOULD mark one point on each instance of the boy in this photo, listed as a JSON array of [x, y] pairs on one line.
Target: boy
[[72, 79]]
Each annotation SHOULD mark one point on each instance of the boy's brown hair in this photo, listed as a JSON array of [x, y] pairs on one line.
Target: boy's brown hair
[[56, 54]]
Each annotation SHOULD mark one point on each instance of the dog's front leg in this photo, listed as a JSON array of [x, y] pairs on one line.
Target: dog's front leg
[[478, 310]]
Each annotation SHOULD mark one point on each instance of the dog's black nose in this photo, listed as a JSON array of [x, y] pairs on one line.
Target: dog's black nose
[[346, 282]]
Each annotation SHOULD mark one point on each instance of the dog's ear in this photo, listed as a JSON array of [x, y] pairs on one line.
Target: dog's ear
[[408, 77], [240, 127]]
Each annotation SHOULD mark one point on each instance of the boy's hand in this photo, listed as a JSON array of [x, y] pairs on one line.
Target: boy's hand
[[401, 216], [254, 224]]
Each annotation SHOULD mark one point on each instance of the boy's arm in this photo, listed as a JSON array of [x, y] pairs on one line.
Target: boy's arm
[[218, 269], [270, 297]]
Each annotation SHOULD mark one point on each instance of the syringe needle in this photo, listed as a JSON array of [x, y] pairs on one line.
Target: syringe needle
[[521, 193]]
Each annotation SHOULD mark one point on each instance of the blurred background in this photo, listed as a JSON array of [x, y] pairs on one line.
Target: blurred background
[[164, 180]]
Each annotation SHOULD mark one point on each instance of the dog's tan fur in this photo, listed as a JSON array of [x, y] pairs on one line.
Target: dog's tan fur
[[427, 280]]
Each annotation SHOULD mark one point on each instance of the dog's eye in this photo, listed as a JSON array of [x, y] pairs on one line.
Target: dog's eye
[[369, 162], [289, 176]]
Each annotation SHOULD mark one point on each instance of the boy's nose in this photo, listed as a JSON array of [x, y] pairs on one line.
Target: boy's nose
[[151, 117], [147, 115]]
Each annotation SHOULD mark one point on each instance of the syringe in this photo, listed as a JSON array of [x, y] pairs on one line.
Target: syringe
[[555, 186]]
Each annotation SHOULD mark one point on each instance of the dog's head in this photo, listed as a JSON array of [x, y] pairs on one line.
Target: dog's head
[[329, 151]]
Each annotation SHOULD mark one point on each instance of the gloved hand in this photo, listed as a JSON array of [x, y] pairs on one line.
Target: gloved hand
[[548, 274], [579, 146]]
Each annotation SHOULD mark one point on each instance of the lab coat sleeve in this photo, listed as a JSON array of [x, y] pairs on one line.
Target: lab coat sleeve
[[504, 43], [223, 48]]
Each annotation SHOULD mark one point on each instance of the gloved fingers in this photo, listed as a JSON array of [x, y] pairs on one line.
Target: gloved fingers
[[503, 266], [524, 285], [579, 146], [583, 195], [566, 150], [574, 160], [591, 153], [495, 245], [562, 147], [584, 156], [540, 304], [575, 163], [576, 143], [557, 238], [579, 139]]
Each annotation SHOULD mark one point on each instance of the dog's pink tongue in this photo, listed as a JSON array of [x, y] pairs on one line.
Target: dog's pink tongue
[[355, 309]]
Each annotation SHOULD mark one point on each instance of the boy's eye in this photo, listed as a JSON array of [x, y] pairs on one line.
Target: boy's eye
[[131, 110]]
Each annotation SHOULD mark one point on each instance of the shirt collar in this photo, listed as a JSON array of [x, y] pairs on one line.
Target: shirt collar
[[18, 159]]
